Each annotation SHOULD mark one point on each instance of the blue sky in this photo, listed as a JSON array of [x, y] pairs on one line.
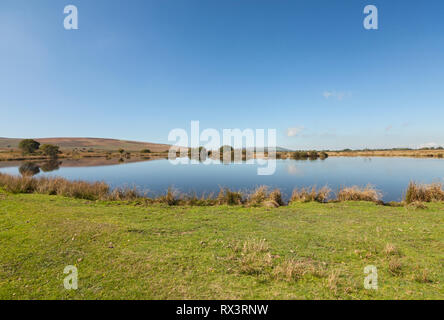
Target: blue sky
[[138, 69]]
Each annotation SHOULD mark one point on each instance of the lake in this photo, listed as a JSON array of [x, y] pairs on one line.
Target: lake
[[390, 175]]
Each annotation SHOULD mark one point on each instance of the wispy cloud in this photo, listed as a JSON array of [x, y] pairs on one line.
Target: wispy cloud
[[293, 132], [388, 128], [339, 95]]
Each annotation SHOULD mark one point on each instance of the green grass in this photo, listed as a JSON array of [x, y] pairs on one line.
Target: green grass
[[310, 251]]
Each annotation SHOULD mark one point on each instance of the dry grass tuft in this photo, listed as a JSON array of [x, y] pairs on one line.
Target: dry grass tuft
[[228, 197], [422, 276], [391, 250], [417, 205], [124, 194], [355, 193], [307, 195], [253, 256], [258, 197], [395, 266], [333, 281], [250, 246], [170, 198], [424, 192], [276, 197], [293, 270]]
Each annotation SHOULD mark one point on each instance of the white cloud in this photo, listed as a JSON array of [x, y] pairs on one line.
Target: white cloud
[[293, 132], [429, 145], [339, 95]]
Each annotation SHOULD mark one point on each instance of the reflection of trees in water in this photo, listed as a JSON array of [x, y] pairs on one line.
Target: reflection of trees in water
[[29, 169], [51, 165]]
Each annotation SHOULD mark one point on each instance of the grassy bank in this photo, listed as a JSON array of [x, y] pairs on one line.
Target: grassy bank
[[301, 251]]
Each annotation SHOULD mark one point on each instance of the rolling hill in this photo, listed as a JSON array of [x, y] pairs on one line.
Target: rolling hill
[[90, 143]]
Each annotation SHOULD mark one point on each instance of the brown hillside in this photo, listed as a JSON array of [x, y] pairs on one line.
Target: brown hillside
[[90, 143]]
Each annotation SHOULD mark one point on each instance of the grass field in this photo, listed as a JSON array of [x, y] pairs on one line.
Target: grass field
[[303, 251]]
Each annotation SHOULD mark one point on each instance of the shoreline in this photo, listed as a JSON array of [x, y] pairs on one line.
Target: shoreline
[[262, 196]]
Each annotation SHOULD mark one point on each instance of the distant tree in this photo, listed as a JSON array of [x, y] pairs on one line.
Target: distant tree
[[29, 145], [50, 150], [121, 151], [145, 151]]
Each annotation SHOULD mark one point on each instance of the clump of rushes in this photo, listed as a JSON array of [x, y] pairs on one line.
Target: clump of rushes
[[170, 198], [124, 194], [228, 197], [262, 197], [424, 192], [276, 197], [13, 184], [355, 193], [258, 197], [194, 200], [308, 195]]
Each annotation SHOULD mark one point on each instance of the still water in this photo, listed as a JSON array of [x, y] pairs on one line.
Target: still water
[[390, 175]]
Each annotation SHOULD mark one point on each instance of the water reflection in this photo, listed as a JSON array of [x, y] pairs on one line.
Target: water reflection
[[51, 165], [29, 169], [294, 170]]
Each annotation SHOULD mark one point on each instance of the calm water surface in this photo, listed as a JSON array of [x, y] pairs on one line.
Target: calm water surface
[[390, 175]]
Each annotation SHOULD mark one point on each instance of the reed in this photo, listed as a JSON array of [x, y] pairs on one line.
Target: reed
[[228, 197], [308, 195], [424, 192], [356, 193]]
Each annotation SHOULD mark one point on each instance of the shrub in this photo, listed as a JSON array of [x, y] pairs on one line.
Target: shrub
[[323, 155], [145, 151], [313, 155], [299, 155]]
